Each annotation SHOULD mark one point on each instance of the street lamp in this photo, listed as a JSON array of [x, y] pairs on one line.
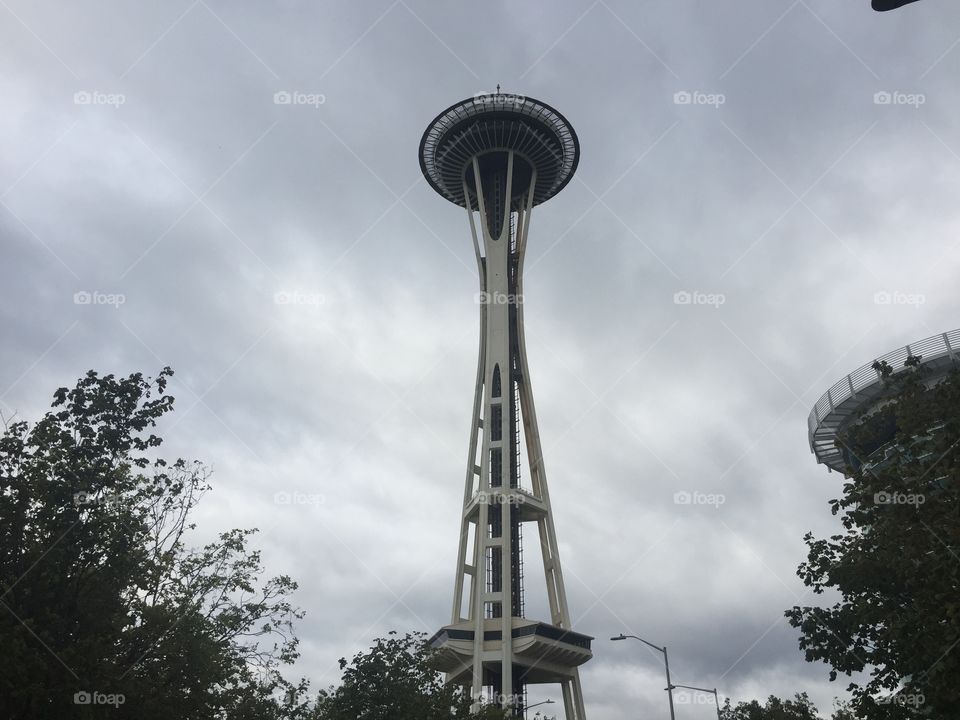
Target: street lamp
[[545, 702], [716, 697], [666, 665]]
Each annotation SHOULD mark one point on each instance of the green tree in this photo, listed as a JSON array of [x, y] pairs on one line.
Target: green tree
[[896, 563], [394, 680], [800, 708], [101, 600]]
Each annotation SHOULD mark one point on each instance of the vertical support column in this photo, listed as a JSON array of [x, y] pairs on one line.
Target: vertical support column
[[502, 313], [476, 425], [481, 553]]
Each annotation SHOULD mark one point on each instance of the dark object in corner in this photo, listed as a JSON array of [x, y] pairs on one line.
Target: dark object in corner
[[884, 5]]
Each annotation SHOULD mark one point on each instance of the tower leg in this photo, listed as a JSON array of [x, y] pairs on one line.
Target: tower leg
[[573, 698], [569, 708]]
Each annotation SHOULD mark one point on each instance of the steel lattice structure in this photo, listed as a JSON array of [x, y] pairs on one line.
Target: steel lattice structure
[[498, 156]]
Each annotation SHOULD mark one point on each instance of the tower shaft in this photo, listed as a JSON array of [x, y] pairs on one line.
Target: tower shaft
[[488, 592]]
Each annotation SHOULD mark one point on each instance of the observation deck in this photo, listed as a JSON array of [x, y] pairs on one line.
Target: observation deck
[[863, 389], [498, 123]]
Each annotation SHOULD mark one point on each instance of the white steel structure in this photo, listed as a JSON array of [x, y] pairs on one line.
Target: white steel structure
[[856, 394], [498, 156]]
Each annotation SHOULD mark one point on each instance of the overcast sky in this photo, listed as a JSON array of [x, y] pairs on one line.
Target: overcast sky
[[812, 222]]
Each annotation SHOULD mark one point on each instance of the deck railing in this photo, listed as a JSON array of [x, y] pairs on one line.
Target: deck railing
[[931, 348]]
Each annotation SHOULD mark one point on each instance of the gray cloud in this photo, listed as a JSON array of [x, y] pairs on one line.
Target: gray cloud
[[797, 199]]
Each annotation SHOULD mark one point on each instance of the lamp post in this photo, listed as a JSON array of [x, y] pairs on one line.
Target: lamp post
[[716, 697], [666, 665], [545, 702]]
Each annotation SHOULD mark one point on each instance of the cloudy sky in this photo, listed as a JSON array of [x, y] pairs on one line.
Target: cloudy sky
[[156, 199]]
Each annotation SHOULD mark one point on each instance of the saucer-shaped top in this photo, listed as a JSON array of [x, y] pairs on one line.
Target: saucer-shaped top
[[497, 123]]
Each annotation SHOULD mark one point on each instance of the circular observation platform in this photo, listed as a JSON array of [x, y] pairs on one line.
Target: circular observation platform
[[487, 127], [862, 390]]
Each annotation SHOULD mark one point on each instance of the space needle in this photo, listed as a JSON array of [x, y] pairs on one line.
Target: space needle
[[498, 156]]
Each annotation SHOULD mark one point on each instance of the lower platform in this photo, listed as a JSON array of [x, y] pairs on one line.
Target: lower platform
[[544, 653]]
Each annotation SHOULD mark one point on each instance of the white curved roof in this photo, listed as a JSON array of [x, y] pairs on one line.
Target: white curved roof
[[855, 392]]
